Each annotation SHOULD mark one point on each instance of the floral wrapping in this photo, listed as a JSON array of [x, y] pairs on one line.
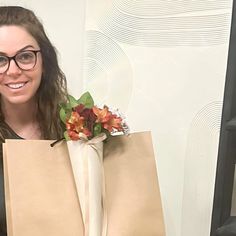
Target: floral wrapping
[[87, 164], [86, 127]]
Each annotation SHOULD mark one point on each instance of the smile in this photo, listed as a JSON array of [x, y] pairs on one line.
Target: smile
[[16, 86]]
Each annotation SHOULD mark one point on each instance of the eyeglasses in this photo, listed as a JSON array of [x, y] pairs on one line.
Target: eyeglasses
[[25, 60]]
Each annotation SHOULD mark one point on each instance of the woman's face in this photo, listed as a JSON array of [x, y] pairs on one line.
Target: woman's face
[[19, 86]]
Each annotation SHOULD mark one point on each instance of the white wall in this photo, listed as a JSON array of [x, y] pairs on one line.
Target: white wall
[[164, 63]]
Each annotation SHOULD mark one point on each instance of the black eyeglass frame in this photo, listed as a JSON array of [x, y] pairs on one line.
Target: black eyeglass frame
[[14, 59]]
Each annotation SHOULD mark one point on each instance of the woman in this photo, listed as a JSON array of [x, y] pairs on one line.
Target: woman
[[31, 84]]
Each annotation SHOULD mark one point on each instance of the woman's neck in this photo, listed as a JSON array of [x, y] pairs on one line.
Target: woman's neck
[[22, 119]]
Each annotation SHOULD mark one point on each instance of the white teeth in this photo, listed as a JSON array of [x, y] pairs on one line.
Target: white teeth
[[16, 86]]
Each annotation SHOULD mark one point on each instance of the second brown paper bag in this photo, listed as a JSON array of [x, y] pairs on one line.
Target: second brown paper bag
[[41, 197]]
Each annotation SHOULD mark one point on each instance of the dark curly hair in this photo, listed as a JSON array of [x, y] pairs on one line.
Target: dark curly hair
[[52, 90]]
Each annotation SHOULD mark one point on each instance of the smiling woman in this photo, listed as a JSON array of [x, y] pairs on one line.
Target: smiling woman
[[20, 77], [31, 84]]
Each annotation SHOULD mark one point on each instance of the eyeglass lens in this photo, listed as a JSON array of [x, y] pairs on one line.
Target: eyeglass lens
[[25, 60]]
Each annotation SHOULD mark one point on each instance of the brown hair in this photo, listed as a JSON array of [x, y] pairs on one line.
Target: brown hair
[[52, 90]]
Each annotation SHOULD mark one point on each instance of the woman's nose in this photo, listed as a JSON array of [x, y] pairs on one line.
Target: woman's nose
[[13, 69]]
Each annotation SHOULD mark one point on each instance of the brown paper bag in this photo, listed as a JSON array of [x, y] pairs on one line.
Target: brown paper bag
[[40, 192], [41, 197]]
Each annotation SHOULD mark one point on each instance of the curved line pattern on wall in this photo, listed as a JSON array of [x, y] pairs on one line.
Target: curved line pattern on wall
[[200, 167], [155, 8], [160, 24], [208, 119], [107, 71]]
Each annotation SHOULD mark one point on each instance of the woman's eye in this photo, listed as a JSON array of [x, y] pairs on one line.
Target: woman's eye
[[3, 61], [25, 57]]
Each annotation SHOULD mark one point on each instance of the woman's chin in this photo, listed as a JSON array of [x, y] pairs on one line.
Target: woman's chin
[[17, 100]]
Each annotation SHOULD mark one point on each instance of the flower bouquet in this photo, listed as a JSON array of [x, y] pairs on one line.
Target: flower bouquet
[[86, 127]]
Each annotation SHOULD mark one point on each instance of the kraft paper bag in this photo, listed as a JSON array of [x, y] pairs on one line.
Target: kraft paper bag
[[40, 192], [41, 197], [132, 191]]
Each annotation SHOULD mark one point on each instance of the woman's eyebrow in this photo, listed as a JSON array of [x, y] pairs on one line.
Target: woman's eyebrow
[[26, 47], [20, 50]]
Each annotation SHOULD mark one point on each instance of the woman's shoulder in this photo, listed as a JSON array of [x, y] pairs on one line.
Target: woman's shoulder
[[6, 132]]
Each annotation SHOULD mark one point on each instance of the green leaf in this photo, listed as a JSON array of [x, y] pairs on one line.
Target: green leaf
[[62, 114], [66, 106], [72, 101], [87, 100], [67, 138], [108, 134], [62, 105], [97, 129]]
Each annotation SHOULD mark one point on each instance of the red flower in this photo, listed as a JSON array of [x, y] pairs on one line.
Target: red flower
[[73, 135], [79, 108], [89, 118]]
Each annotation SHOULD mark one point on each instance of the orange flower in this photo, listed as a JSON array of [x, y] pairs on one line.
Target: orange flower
[[75, 122], [75, 125], [103, 115], [113, 123]]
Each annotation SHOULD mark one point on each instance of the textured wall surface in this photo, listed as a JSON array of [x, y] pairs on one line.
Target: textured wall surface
[[163, 63]]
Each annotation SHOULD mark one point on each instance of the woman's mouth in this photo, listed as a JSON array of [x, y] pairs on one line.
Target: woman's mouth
[[16, 85]]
